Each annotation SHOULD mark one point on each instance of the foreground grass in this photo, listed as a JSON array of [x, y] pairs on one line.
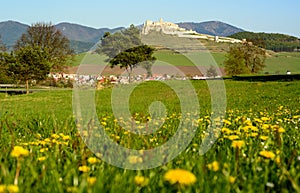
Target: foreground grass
[[258, 149]]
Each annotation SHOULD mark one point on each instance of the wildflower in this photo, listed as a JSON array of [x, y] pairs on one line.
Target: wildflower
[[213, 166], [42, 158], [42, 150], [55, 136], [238, 144], [265, 119], [84, 169], [141, 181], [93, 160], [231, 179], [233, 137], [135, 159], [267, 154], [2, 188], [91, 180], [254, 134], [180, 176], [227, 122], [66, 137], [263, 137], [19, 151], [13, 189]]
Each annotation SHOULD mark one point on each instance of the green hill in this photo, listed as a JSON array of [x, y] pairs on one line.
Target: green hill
[[271, 41]]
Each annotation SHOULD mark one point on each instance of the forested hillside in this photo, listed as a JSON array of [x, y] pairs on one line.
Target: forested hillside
[[271, 41]]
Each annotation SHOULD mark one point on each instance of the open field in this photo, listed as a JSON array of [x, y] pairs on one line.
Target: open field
[[276, 63], [257, 150]]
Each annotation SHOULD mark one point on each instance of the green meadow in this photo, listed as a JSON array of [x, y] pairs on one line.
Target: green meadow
[[276, 63], [257, 149]]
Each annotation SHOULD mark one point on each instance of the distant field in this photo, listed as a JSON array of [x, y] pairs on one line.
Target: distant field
[[276, 63]]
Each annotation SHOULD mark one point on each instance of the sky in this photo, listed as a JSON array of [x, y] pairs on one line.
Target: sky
[[274, 16]]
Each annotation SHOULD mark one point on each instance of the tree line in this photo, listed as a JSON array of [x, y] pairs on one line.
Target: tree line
[[43, 49], [271, 41]]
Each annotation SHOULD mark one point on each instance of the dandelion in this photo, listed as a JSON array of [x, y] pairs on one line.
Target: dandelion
[[55, 136], [19, 151], [213, 166], [180, 176], [84, 169], [42, 158], [91, 180], [267, 154], [42, 150], [2, 188], [227, 122], [13, 188], [93, 160], [233, 137], [231, 179], [263, 137], [238, 144], [141, 181], [135, 159]]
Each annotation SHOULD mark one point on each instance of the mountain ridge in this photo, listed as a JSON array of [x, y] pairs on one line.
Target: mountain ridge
[[82, 37]]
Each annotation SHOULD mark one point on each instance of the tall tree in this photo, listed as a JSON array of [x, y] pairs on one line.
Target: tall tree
[[125, 49], [50, 39], [245, 58], [5, 60], [31, 63]]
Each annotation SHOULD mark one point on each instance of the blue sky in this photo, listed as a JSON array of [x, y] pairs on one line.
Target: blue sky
[[278, 16]]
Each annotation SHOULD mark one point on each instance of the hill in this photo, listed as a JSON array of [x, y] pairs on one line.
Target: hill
[[81, 38], [271, 41], [11, 31], [215, 28]]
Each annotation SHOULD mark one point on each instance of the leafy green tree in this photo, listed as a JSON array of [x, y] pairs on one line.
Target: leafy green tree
[[49, 39], [5, 60], [244, 58], [125, 49], [31, 63]]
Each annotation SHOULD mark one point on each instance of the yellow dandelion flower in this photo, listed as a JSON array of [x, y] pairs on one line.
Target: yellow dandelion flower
[[227, 122], [66, 137], [238, 144], [42, 150], [84, 169], [213, 166], [281, 130], [265, 126], [55, 136], [233, 137], [180, 176], [42, 158], [231, 179], [265, 119], [135, 159], [19, 151], [254, 134], [267, 154], [93, 160], [263, 137], [2, 188], [13, 189], [253, 128], [91, 180], [141, 181]]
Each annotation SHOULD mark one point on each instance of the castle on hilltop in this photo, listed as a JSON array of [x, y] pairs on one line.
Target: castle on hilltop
[[173, 29]]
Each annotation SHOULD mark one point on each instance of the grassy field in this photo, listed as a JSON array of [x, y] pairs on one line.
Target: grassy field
[[276, 63], [257, 150]]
